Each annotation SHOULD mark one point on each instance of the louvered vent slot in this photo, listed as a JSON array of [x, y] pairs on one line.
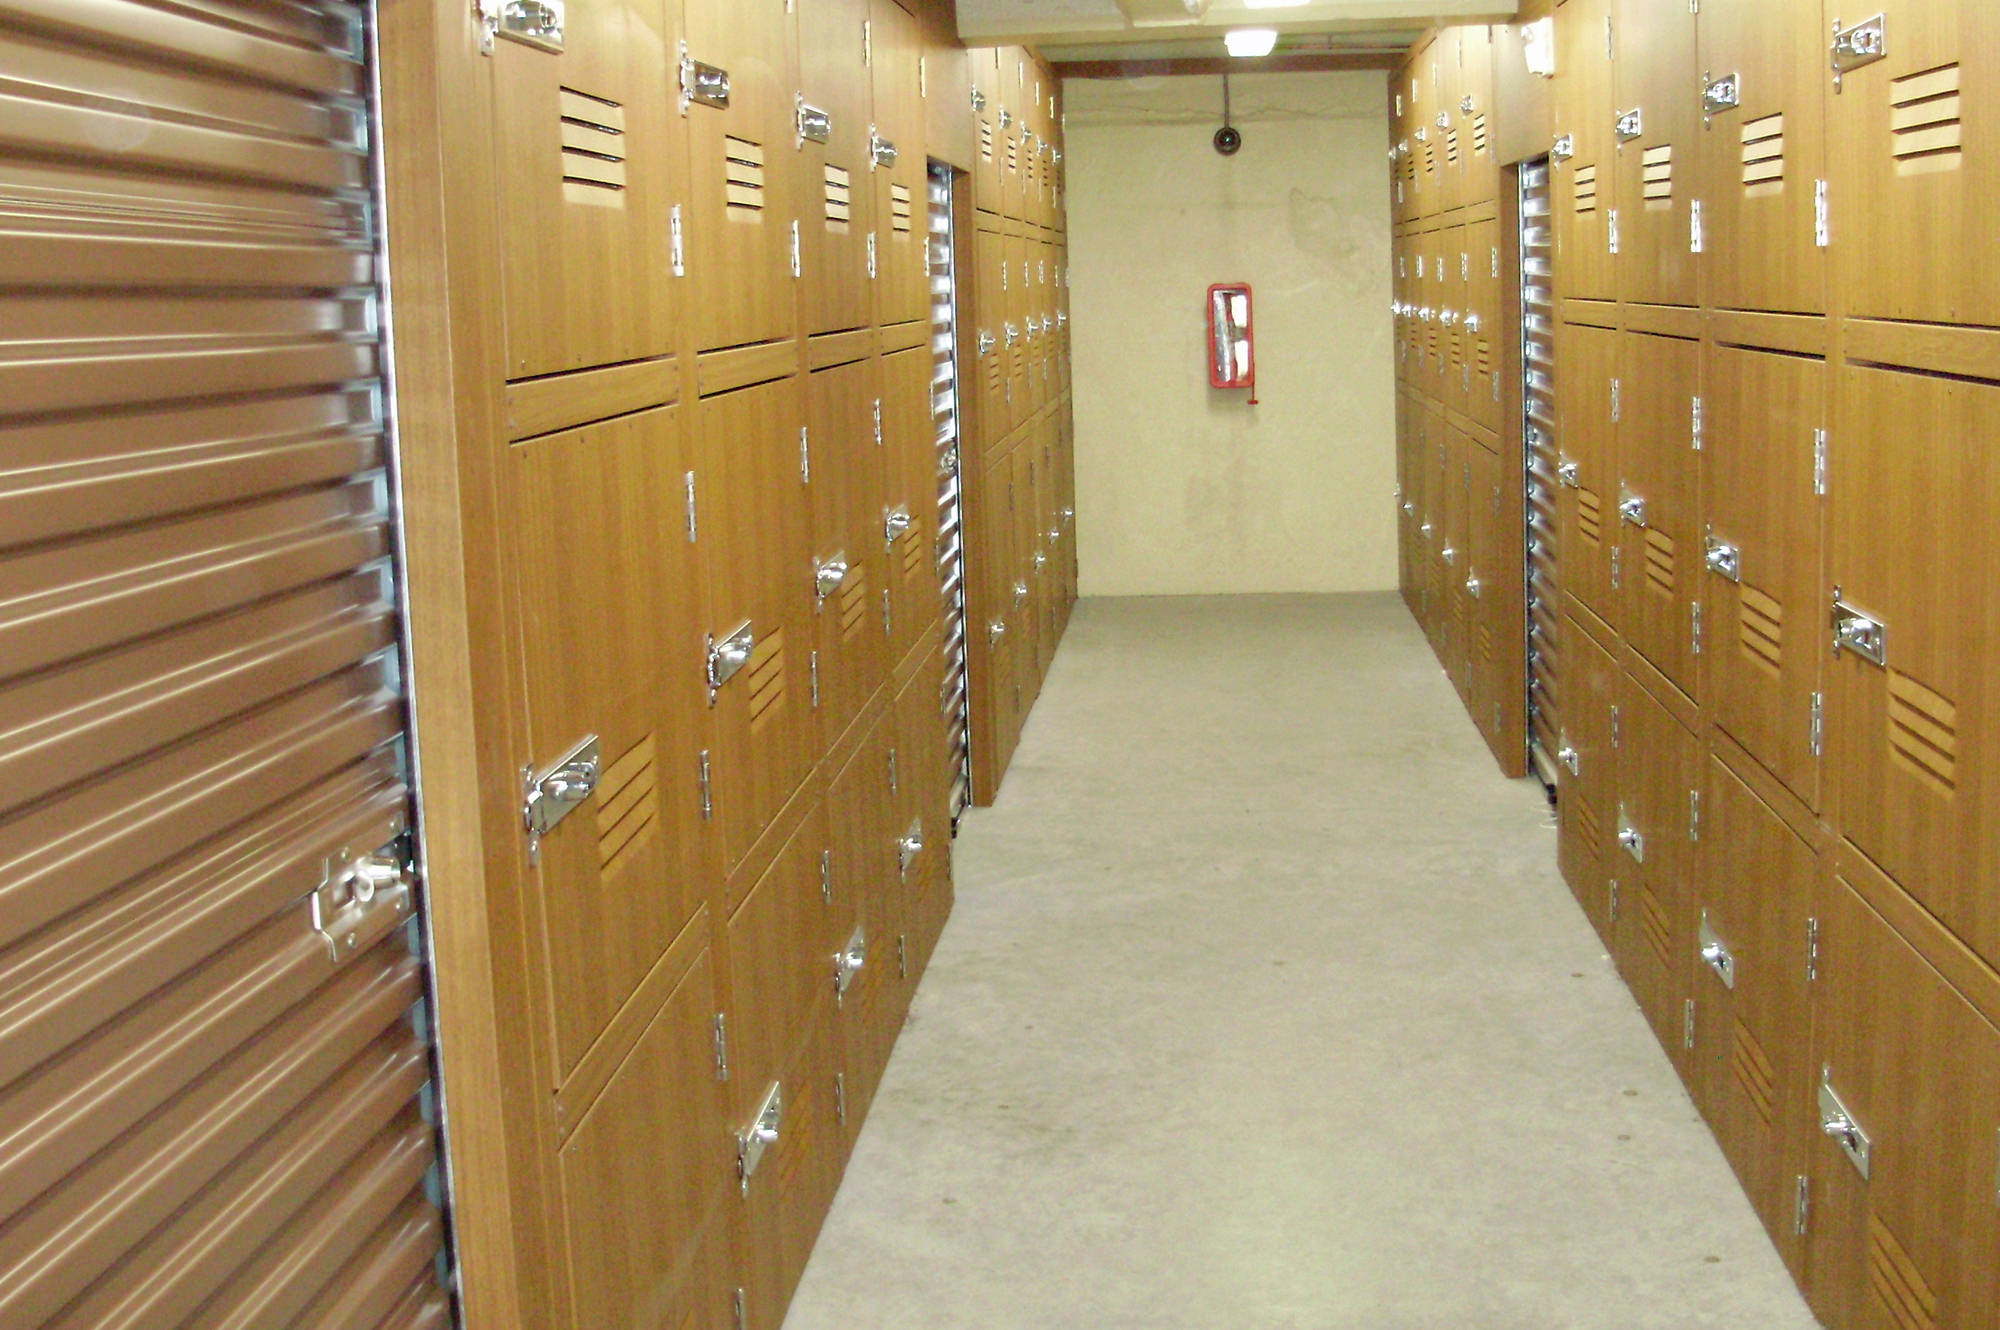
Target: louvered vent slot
[[1660, 561], [1589, 516], [1482, 364], [1585, 181], [1764, 154], [1485, 644], [743, 187], [1013, 154], [1653, 922], [1451, 146], [767, 680], [839, 200], [1762, 629], [628, 804], [1924, 121], [913, 549], [1656, 171], [1896, 1281], [1754, 1074], [1923, 733], [900, 209], [1479, 135], [985, 140], [1430, 158], [1587, 824], [854, 603], [593, 149]]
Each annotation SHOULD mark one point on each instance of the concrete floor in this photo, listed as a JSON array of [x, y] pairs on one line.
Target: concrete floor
[[1264, 1008]]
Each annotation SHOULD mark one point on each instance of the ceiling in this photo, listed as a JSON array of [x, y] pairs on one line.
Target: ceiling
[[1101, 30]]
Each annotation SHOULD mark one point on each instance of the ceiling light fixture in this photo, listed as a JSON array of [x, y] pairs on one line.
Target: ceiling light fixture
[[1250, 43], [1275, 4]]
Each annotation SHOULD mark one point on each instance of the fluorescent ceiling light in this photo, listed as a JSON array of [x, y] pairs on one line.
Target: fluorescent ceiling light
[[1275, 4], [1250, 42]]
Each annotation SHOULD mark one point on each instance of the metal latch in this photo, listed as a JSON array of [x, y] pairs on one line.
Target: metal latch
[[1863, 44], [848, 961], [1837, 1122], [1472, 586], [359, 900], [1629, 124], [1020, 593], [1631, 507], [702, 83], [908, 846], [1854, 631], [1563, 148], [728, 656], [829, 574], [1630, 837], [995, 631], [1465, 104], [1013, 336], [536, 23], [815, 125], [987, 341], [550, 794], [881, 152], [1715, 954], [757, 1139], [1722, 93], [1450, 556], [1725, 559], [896, 523], [1567, 473]]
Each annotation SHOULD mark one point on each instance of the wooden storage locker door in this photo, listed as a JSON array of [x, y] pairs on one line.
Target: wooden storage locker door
[[1652, 857], [744, 176], [922, 883], [1021, 555], [837, 200], [909, 457], [1656, 136], [1437, 492], [1445, 302], [1473, 109], [1011, 128], [990, 165], [1912, 739], [1456, 258], [1407, 448], [1442, 77], [1587, 472], [1486, 340], [1658, 510], [1914, 186], [859, 882], [1582, 186], [645, 1243], [588, 169], [1916, 1066], [900, 175], [606, 583], [850, 571], [991, 354], [1766, 643], [1015, 296], [1751, 1071], [208, 1106], [756, 523], [1587, 782], [1761, 157], [782, 1040], [1457, 556]]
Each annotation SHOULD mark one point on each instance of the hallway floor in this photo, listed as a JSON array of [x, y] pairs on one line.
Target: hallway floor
[[1264, 1008]]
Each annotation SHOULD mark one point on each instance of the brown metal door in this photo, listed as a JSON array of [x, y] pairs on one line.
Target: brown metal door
[[1658, 513], [837, 208], [1763, 153], [1762, 414], [1020, 351], [213, 1073], [1912, 1065], [850, 569], [1471, 109], [987, 103], [900, 164], [742, 219], [908, 535], [1585, 158], [1656, 135], [1587, 781], [1456, 259], [1914, 188], [1750, 1071], [1586, 469], [1484, 337], [919, 898], [1653, 860], [989, 350], [862, 920], [1913, 704]]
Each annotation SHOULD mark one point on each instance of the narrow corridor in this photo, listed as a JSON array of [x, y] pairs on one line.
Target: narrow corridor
[[1264, 1007]]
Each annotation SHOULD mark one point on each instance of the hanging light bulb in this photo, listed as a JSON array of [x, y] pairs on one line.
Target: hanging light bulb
[[1250, 43]]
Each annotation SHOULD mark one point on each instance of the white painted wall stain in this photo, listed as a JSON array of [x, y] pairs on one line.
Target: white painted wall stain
[[1182, 489]]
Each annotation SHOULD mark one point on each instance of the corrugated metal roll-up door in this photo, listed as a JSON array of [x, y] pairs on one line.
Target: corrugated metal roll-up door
[[1538, 328], [943, 263], [214, 1103]]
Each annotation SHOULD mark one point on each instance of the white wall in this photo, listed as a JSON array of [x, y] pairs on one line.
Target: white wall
[[1182, 489]]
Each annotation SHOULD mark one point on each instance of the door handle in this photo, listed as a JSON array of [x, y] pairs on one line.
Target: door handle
[[1863, 634], [1725, 559], [1715, 953], [896, 523], [1838, 1123], [728, 656], [828, 576], [754, 1141], [1631, 507]]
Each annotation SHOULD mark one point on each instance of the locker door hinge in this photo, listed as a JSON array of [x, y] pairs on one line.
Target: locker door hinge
[[1610, 42], [1694, 226], [1611, 895], [1819, 462], [1687, 1025], [1801, 1204], [1611, 230], [878, 416], [814, 666], [902, 955], [797, 269], [805, 455], [1696, 425], [894, 774], [1695, 631], [1496, 260], [1817, 732], [1812, 950], [1694, 815], [677, 242], [840, 1096], [872, 261], [721, 1046], [742, 1322], [1822, 225], [487, 12], [1616, 551], [1617, 400], [888, 620], [707, 788], [1616, 716], [694, 526], [923, 77], [1863, 44], [826, 877], [1464, 265]]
